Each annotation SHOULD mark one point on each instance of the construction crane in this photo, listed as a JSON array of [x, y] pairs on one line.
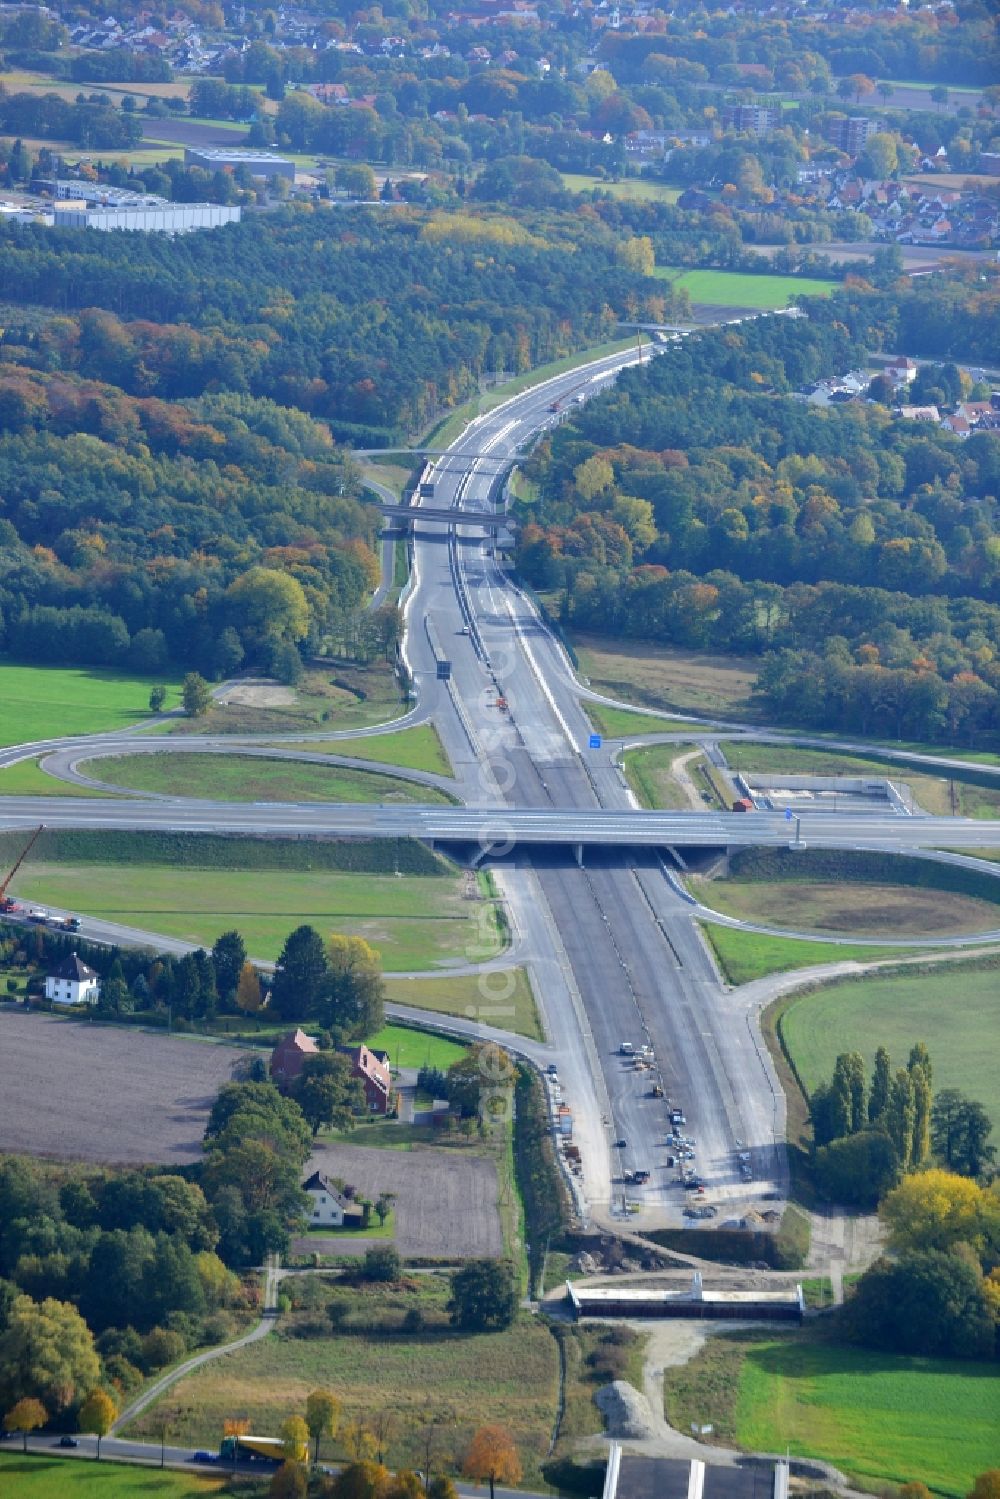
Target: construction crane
[[7, 903]]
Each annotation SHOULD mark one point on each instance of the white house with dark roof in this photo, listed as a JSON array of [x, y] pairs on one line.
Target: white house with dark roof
[[72, 983], [330, 1208]]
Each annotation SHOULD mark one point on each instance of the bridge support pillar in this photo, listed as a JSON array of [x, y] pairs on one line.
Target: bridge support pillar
[[578, 853], [677, 856]]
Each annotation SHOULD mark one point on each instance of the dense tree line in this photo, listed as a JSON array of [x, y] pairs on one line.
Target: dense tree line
[[866, 1135], [104, 1277], [939, 1294], [93, 124], [375, 323], [702, 504], [139, 531]]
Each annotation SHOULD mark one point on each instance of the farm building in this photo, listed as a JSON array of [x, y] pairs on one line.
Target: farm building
[[374, 1075], [288, 1057], [72, 983], [330, 1208]]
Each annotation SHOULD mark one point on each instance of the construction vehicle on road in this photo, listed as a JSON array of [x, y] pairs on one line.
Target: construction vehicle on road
[[7, 902]]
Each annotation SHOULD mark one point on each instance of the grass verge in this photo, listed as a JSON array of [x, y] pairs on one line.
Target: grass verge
[[414, 923], [417, 748], [251, 778], [49, 702], [744, 956], [27, 778], [618, 723], [502, 999]]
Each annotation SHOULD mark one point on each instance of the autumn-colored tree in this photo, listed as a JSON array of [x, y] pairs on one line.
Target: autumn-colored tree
[[27, 1415], [914, 1491], [294, 1439], [322, 1417], [291, 1481], [47, 1350], [236, 1426], [986, 1486], [248, 994], [361, 1480], [937, 1210], [97, 1414], [360, 1440], [492, 1458]]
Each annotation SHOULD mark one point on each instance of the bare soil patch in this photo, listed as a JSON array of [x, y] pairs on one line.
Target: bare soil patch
[[73, 1091], [446, 1201], [867, 910], [259, 695], [656, 677]]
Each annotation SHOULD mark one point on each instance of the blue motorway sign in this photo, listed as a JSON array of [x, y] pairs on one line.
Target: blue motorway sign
[[595, 741]]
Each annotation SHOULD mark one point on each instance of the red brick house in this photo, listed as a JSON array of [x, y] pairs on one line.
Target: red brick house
[[288, 1057], [374, 1075]]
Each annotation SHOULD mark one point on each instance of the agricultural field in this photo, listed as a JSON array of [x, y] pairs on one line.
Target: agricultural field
[[252, 778], [335, 697], [882, 1418], [446, 1196], [745, 956], [641, 189], [933, 793], [761, 292], [415, 922], [659, 677], [863, 909], [27, 778], [55, 1100], [951, 1009], [482, 997], [35, 1477], [50, 702], [417, 748], [510, 1378]]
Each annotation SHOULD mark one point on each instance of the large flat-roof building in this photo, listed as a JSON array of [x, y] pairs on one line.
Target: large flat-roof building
[[258, 163], [633, 1477], [784, 1305], [150, 218]]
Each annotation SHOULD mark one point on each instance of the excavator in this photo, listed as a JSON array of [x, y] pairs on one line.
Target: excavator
[[7, 902]]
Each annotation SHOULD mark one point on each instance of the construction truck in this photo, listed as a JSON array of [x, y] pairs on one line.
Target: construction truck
[[268, 1452], [7, 902]]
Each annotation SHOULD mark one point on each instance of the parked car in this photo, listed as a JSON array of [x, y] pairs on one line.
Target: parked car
[[204, 1457]]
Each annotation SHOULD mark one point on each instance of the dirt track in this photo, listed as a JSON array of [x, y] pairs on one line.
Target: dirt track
[[74, 1091], [446, 1203]]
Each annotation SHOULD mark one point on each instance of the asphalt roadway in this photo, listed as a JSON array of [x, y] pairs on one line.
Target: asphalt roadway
[[612, 943]]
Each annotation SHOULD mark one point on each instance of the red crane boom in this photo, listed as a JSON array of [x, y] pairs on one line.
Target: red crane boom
[[6, 903]]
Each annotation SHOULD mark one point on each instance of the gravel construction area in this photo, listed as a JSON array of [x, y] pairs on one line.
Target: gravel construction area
[[446, 1202], [73, 1091]]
